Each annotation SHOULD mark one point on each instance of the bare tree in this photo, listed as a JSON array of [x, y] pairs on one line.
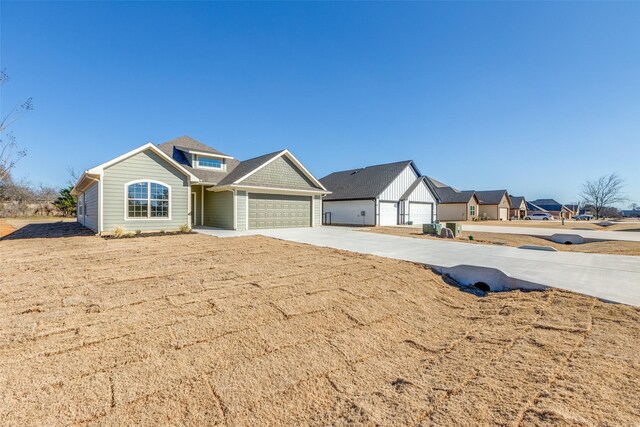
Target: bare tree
[[603, 192], [634, 206], [10, 154]]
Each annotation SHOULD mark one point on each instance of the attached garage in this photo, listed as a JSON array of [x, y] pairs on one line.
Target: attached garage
[[420, 213], [504, 214], [279, 211], [388, 213]]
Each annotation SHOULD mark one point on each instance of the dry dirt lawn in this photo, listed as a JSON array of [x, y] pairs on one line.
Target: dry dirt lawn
[[613, 247], [194, 330], [570, 224]]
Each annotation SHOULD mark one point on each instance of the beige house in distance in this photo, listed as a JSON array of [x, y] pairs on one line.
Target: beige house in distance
[[494, 205], [455, 205]]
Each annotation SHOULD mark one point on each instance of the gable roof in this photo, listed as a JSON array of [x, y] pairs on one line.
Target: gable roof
[[448, 194], [418, 181], [247, 166], [363, 183], [516, 201], [178, 149], [492, 197]]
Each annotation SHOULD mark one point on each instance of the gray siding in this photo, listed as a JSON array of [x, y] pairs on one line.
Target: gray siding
[[218, 209], [241, 210], [317, 210], [91, 207], [197, 208], [280, 173], [145, 165]]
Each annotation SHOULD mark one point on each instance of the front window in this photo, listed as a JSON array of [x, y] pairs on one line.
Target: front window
[[147, 199], [209, 162], [472, 210]]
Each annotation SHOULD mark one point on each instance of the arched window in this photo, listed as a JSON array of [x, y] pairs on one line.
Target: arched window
[[148, 199]]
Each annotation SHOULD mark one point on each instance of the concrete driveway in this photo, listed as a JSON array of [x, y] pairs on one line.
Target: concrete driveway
[[631, 236], [608, 277]]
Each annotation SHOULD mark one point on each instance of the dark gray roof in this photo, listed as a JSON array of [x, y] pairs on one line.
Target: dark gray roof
[[175, 149], [247, 166], [516, 201], [186, 143], [362, 183], [549, 202], [533, 207], [491, 197], [448, 194]]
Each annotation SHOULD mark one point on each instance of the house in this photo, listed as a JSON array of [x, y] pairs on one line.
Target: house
[[494, 204], [632, 213], [184, 182], [387, 194], [453, 204], [518, 207], [558, 210]]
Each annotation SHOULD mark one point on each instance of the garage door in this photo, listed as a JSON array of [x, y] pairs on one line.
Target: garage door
[[279, 210], [388, 213], [504, 214], [420, 213]]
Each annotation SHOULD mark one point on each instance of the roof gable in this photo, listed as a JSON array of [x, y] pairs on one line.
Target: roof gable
[[492, 197], [363, 183], [447, 194]]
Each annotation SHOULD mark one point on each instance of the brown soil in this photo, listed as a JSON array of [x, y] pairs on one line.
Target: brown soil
[[516, 240], [194, 330], [627, 225]]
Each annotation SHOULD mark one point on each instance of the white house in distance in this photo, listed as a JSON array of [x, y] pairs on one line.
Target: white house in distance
[[387, 194]]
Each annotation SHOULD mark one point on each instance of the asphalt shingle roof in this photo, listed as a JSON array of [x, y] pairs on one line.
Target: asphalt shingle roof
[[247, 166], [175, 149], [491, 197], [362, 183], [516, 201], [448, 194]]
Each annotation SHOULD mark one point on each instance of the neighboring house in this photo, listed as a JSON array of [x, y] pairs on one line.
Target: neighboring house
[[186, 183], [388, 194], [453, 204], [494, 204], [558, 210], [518, 207], [633, 213]]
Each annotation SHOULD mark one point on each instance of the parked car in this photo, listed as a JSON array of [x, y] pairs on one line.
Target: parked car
[[582, 217], [539, 217]]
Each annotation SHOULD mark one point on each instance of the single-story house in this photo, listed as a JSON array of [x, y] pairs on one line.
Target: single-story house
[[631, 213], [388, 194], [558, 210], [494, 204], [453, 204], [518, 207], [184, 182]]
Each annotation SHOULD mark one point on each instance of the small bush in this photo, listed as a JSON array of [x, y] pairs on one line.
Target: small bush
[[138, 232], [118, 231], [184, 228]]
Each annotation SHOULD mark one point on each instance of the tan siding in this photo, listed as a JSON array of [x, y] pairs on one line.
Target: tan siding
[[91, 207], [280, 173], [218, 209], [144, 165], [452, 212]]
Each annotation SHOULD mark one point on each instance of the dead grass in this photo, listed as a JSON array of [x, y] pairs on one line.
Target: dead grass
[[194, 330], [596, 247], [627, 225]]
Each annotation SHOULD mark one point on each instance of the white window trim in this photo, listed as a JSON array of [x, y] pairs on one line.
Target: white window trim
[[196, 162], [126, 200]]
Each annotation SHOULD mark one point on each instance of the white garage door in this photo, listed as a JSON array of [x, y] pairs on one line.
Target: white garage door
[[388, 213], [504, 214], [420, 213]]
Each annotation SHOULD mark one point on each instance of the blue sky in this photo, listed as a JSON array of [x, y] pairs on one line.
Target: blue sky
[[532, 97]]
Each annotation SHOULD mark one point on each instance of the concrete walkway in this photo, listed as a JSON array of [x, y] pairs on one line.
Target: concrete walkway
[[631, 236], [608, 277]]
